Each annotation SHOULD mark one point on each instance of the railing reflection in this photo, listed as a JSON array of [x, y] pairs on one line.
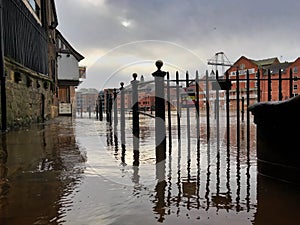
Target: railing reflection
[[218, 169], [206, 169]]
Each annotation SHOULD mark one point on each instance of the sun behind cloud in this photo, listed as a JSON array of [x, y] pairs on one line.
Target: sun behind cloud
[[125, 22]]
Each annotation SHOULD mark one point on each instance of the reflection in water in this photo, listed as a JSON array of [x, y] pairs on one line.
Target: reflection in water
[[41, 167], [277, 202], [207, 177], [204, 178], [201, 163], [159, 202], [4, 184], [179, 177], [47, 178]]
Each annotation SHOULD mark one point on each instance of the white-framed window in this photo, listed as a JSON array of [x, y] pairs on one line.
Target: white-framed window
[[295, 69], [283, 70], [35, 7], [252, 71], [295, 87]]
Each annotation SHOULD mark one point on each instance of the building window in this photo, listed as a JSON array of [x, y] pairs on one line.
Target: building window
[[295, 69], [242, 66], [35, 7], [295, 87]]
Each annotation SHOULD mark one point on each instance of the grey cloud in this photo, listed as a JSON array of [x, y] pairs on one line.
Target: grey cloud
[[257, 28]]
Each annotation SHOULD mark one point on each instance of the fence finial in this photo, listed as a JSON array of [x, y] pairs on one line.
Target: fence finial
[[158, 72], [159, 64], [134, 76]]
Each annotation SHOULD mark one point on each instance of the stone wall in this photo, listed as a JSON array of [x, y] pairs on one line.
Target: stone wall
[[29, 96]]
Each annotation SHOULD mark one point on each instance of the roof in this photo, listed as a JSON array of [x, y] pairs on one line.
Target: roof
[[265, 62], [85, 91], [260, 63], [276, 67], [70, 50]]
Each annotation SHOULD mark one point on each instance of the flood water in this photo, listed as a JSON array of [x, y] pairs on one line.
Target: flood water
[[77, 171]]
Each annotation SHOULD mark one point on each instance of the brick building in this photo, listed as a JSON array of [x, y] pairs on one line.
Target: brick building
[[262, 68], [86, 99]]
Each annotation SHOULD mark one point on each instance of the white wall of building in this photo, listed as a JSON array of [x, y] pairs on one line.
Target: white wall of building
[[67, 67]]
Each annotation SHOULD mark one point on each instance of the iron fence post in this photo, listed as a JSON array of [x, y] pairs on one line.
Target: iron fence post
[[135, 107], [115, 108], [160, 129]]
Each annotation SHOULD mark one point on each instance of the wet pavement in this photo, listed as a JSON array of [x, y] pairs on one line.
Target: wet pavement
[[76, 171]]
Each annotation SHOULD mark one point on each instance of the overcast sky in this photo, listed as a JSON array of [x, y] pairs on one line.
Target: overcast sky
[[121, 37]]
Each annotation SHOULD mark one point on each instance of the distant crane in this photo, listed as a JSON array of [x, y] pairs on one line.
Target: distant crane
[[219, 59]]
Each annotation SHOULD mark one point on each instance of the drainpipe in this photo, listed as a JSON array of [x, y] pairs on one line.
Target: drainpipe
[[2, 73]]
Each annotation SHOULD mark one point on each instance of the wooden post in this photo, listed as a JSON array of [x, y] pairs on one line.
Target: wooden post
[[115, 108], [108, 106], [89, 109], [100, 108], [2, 75], [97, 108]]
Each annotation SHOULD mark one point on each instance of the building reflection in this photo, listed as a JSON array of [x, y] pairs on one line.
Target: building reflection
[[42, 167], [4, 184]]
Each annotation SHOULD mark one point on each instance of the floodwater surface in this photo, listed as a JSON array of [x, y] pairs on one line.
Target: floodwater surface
[[82, 171]]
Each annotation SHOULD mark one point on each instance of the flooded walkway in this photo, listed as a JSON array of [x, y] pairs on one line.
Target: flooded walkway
[[76, 171]]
